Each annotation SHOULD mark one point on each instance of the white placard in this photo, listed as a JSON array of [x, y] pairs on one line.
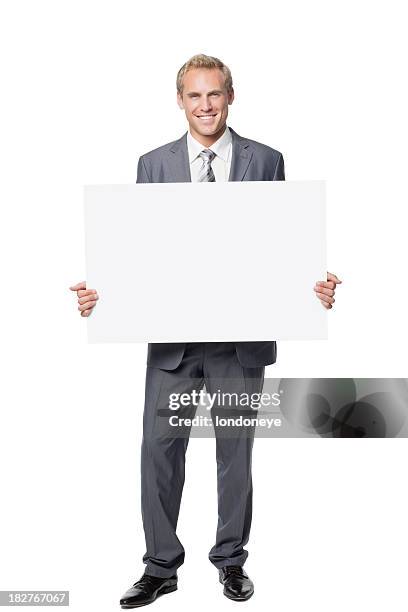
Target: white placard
[[206, 262]]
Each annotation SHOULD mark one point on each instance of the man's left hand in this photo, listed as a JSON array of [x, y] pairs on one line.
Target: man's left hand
[[325, 290]]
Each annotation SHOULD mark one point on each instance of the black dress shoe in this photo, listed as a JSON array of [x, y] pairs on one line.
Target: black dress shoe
[[237, 585], [147, 589]]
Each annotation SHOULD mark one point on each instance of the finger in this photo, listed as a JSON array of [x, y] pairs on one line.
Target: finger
[[81, 285], [87, 298], [82, 293], [325, 298], [86, 305], [333, 277], [86, 313], [324, 290], [326, 305], [326, 284]]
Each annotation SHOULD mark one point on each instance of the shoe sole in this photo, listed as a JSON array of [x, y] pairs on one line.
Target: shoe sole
[[239, 598], [168, 589]]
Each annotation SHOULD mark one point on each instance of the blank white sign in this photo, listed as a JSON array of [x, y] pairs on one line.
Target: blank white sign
[[206, 262]]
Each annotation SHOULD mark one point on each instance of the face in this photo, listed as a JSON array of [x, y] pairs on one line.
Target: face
[[205, 101]]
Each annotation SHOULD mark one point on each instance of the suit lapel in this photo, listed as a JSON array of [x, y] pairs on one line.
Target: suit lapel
[[241, 157], [178, 161]]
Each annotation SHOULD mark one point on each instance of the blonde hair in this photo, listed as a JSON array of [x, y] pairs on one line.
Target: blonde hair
[[203, 61]]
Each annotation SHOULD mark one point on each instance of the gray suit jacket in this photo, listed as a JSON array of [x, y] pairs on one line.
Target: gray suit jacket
[[251, 161]]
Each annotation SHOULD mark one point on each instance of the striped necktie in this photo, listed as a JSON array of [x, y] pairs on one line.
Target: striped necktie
[[206, 174]]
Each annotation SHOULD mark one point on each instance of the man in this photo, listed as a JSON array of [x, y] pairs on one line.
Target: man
[[209, 151]]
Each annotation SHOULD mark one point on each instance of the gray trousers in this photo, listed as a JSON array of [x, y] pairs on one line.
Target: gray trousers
[[216, 365]]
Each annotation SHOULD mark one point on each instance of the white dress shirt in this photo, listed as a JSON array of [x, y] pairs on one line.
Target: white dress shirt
[[221, 164]]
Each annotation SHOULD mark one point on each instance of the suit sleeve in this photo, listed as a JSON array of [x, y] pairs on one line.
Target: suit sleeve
[[142, 175], [280, 169]]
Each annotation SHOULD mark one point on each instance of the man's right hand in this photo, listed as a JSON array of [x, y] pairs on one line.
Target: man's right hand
[[86, 298]]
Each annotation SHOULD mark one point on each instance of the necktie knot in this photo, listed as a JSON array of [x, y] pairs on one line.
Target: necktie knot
[[207, 155]]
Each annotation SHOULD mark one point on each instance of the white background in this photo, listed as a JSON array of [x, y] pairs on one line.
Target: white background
[[86, 88]]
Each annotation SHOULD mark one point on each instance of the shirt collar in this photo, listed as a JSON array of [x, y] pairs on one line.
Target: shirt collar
[[221, 147]]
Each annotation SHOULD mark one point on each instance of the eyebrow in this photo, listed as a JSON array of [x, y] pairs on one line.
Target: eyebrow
[[196, 93]]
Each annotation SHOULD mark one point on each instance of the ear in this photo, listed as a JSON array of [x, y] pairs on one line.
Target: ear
[[180, 101], [231, 96]]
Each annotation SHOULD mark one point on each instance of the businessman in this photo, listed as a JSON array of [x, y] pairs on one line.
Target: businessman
[[209, 151]]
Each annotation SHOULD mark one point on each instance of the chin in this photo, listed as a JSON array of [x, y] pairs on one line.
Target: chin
[[205, 132], [208, 129]]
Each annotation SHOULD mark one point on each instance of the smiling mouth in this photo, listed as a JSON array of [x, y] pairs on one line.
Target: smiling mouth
[[206, 117]]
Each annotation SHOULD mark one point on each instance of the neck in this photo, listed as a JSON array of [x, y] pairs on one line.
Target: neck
[[209, 140]]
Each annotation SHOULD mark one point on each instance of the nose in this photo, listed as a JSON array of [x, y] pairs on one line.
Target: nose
[[206, 105]]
